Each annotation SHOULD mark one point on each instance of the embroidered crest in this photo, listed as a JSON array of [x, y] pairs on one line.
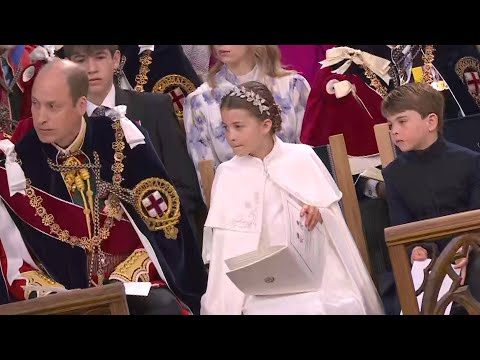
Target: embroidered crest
[[468, 70], [158, 204], [177, 87]]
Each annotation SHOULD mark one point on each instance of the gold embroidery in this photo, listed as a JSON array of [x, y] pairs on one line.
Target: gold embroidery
[[375, 82], [177, 87], [134, 268], [142, 78], [77, 173], [157, 202], [428, 58], [36, 278], [464, 65]]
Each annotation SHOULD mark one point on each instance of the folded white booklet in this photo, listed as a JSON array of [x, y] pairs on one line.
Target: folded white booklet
[[282, 269]]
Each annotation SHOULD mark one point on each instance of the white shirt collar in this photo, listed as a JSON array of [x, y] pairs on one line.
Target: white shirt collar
[[142, 48], [108, 102]]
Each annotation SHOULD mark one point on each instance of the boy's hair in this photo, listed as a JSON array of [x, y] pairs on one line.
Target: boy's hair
[[418, 97], [232, 101], [71, 50]]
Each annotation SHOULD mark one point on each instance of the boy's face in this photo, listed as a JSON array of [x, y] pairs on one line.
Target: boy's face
[[410, 132], [100, 66]]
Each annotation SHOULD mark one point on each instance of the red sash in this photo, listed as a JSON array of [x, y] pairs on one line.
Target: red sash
[[67, 215]]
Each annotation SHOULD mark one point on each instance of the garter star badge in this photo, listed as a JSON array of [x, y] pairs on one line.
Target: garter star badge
[[157, 202], [468, 69], [177, 87]]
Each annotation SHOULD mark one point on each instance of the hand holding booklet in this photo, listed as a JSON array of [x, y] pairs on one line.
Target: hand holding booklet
[[283, 269]]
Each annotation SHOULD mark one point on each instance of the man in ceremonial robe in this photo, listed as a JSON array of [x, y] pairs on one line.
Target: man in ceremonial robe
[[153, 111], [91, 203], [452, 69], [160, 68], [14, 60]]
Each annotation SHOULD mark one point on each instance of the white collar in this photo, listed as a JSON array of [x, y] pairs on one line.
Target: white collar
[[108, 102], [142, 48]]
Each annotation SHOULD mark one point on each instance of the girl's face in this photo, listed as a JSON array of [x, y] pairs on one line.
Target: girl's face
[[233, 54], [244, 132]]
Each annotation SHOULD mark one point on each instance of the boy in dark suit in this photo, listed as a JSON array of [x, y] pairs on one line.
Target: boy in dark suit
[[431, 177]]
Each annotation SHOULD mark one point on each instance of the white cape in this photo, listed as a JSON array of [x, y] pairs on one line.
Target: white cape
[[234, 227]]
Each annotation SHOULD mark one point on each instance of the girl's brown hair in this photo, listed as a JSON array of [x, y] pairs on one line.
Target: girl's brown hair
[[236, 102]]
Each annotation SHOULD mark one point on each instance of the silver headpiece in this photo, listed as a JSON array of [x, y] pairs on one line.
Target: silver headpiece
[[254, 98]]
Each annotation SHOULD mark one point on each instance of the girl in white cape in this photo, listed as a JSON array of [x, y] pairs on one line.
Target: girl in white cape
[[247, 213]]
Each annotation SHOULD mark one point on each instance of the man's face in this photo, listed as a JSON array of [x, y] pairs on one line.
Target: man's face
[[100, 66], [55, 117]]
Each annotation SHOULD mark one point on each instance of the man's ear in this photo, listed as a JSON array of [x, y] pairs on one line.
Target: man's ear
[[82, 104]]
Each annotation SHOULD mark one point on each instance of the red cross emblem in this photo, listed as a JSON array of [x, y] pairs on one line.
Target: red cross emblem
[[178, 98], [473, 82], [154, 204]]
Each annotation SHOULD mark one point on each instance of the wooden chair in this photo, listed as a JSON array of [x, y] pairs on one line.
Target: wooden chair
[[103, 300], [400, 237], [335, 158], [384, 143], [207, 174]]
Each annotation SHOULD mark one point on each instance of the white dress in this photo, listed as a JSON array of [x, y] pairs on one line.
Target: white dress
[[257, 221]]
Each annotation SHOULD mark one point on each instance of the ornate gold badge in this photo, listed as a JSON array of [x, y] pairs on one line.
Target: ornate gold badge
[[157, 202], [177, 87], [468, 70]]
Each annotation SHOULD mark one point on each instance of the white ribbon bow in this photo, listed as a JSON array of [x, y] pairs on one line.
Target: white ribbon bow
[[45, 52], [378, 65], [342, 89], [15, 175], [133, 135]]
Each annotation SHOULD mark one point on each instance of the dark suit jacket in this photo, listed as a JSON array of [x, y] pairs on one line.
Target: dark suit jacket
[[156, 114], [441, 180]]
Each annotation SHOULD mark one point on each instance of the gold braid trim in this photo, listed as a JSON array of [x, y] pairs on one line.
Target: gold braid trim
[[375, 82], [142, 79], [89, 244], [134, 268], [428, 58], [36, 278]]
